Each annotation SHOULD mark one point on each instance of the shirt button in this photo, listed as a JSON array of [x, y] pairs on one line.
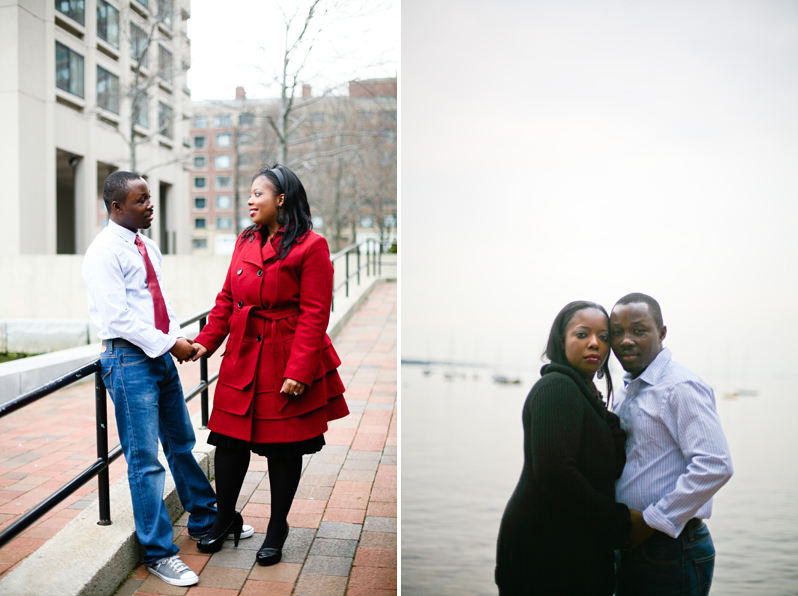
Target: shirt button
[[260, 273], [239, 271], [240, 304], [258, 338]]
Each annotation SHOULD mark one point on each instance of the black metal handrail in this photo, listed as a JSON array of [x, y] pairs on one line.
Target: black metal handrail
[[99, 467], [373, 266]]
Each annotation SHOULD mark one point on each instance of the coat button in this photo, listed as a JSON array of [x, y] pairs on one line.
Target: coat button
[[260, 273], [258, 338], [239, 272], [240, 304], [251, 238]]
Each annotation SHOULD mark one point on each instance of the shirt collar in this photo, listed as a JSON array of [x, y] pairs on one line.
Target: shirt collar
[[653, 370], [122, 232]]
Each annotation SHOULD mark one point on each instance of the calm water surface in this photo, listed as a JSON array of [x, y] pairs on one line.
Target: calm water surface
[[462, 455]]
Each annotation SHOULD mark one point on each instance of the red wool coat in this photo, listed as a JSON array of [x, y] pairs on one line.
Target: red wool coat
[[276, 313]]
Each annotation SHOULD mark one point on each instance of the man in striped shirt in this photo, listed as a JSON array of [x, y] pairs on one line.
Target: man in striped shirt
[[677, 458]]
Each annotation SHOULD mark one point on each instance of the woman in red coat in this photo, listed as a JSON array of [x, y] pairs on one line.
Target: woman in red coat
[[278, 384]]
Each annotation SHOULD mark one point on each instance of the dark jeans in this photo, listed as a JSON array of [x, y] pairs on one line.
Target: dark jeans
[[665, 566], [149, 405]]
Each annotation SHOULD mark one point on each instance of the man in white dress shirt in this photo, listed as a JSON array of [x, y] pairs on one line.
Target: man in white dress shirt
[[677, 458], [139, 331]]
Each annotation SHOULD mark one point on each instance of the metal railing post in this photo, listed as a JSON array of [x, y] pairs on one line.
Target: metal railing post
[[358, 265], [332, 301], [204, 381], [347, 274], [379, 259], [101, 415]]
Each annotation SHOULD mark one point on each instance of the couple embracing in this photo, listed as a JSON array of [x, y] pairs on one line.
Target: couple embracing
[[636, 476]]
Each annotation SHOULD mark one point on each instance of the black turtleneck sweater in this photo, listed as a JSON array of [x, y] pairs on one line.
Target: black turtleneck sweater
[[562, 524]]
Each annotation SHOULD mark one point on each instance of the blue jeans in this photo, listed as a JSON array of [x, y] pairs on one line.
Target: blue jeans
[[665, 566], [149, 404]]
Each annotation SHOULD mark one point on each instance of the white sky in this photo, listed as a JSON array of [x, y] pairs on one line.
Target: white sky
[[560, 150], [239, 43]]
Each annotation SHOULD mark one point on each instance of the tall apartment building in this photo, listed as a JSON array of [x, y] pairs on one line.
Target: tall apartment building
[[232, 138], [68, 75]]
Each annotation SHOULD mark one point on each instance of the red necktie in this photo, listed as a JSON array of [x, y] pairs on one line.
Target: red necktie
[[161, 317]]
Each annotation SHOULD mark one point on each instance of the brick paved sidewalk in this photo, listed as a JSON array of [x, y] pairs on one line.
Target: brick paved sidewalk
[[343, 520]]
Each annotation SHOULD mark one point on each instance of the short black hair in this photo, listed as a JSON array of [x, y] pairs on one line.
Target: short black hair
[[116, 188], [555, 348], [653, 306]]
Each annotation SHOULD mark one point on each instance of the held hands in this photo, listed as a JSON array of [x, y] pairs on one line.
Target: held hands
[[199, 352], [292, 387], [639, 533], [183, 349]]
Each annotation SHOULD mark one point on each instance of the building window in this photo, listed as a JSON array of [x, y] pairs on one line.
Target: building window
[[108, 23], [199, 161], [138, 46], [224, 181], [199, 142], [199, 223], [366, 221], [224, 139], [224, 223], [245, 139], [165, 62], [201, 122], [74, 9], [199, 181], [143, 114], [389, 221], [246, 120], [199, 243], [223, 161], [224, 202], [144, 3], [165, 11], [222, 120], [68, 70], [200, 203], [245, 160], [165, 120], [107, 90]]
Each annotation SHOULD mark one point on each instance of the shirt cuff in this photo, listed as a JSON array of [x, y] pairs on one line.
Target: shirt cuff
[[169, 345], [654, 518]]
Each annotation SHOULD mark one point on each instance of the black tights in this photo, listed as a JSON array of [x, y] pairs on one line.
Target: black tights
[[231, 469]]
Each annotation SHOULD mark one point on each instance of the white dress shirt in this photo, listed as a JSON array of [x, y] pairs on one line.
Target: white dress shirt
[[120, 303], [676, 453]]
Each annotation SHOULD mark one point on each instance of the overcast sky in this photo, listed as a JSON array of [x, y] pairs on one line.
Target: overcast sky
[[562, 150], [236, 43]]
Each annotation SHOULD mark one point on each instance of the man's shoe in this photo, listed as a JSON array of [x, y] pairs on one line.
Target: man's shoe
[[173, 571], [246, 532]]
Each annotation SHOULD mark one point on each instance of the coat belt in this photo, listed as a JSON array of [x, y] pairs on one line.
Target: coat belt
[[272, 315]]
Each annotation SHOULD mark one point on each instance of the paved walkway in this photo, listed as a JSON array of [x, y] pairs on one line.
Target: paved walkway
[[343, 519]]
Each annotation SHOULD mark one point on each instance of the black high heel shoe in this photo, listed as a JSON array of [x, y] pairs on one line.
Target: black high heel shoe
[[270, 555], [214, 545]]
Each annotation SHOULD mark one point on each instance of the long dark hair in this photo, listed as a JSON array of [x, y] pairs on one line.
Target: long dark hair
[[555, 348], [296, 209]]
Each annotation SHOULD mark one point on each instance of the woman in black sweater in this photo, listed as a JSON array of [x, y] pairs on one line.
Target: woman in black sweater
[[562, 524]]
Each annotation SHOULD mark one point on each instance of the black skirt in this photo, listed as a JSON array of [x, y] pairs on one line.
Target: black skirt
[[295, 449]]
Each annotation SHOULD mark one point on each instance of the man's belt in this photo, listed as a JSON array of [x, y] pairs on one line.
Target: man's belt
[[118, 342]]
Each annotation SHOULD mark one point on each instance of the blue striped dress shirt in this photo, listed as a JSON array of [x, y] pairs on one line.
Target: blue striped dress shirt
[[120, 303], [676, 453]]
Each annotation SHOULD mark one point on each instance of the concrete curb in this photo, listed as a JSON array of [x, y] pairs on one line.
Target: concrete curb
[[92, 560]]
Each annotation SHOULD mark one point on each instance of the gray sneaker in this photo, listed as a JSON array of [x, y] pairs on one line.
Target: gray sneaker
[[173, 571]]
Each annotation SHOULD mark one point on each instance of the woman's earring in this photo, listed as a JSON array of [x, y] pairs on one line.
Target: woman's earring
[[600, 373], [280, 216]]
